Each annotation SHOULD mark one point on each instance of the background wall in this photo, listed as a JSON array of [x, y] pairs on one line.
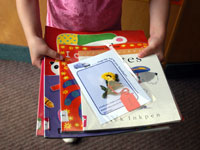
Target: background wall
[[185, 46], [10, 27]]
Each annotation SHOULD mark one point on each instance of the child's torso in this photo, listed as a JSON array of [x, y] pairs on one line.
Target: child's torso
[[84, 15]]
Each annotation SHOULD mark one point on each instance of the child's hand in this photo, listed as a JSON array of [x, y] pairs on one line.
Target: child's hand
[[156, 46], [159, 13], [38, 49]]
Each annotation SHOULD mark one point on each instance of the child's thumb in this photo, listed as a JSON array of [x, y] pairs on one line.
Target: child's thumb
[[147, 51], [53, 54]]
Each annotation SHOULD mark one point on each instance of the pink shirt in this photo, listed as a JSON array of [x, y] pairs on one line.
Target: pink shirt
[[84, 15]]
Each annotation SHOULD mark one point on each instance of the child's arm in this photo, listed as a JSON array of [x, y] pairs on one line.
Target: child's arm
[[29, 14], [159, 12]]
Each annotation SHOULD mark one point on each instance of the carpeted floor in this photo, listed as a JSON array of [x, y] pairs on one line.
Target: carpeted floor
[[19, 83]]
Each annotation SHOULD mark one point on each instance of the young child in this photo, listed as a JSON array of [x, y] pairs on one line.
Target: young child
[[86, 15]]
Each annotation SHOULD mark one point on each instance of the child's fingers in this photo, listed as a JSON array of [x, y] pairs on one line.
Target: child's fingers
[[37, 63], [51, 53], [149, 51], [160, 56], [146, 52]]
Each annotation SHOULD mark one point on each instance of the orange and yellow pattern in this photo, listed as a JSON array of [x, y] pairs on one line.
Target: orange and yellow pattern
[[74, 122]]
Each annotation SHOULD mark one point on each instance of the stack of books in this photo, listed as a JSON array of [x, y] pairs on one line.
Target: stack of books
[[102, 87]]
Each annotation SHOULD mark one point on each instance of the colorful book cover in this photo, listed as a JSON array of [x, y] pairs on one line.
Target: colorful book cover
[[71, 117], [52, 109]]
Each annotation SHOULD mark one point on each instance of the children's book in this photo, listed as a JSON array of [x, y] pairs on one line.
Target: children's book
[[76, 45]]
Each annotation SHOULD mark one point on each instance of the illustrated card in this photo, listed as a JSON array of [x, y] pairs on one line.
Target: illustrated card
[[108, 85]]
